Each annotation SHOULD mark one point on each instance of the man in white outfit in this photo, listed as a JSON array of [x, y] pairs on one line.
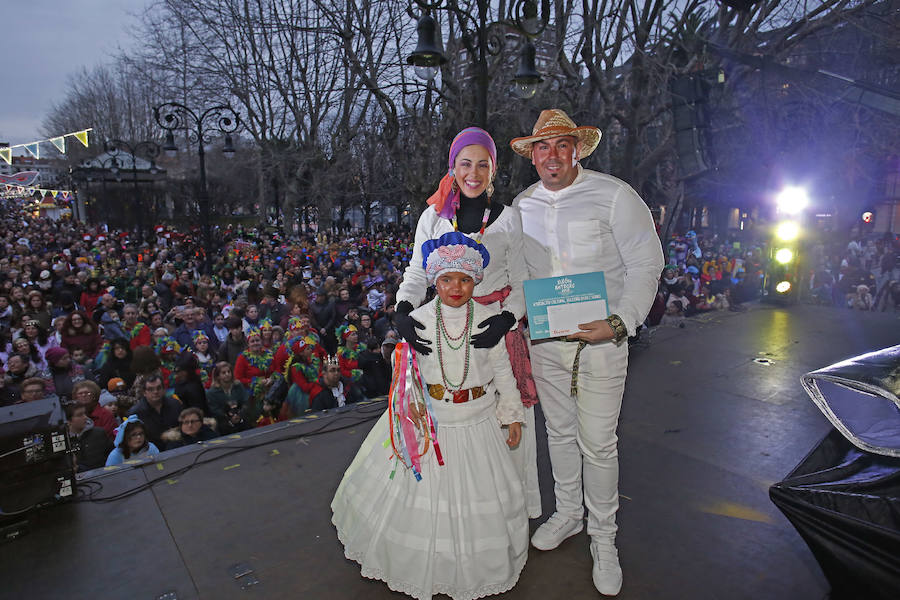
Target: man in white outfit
[[580, 221]]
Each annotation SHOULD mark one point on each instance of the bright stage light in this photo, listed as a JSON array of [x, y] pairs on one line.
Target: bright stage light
[[787, 231], [792, 200], [783, 287], [784, 256]]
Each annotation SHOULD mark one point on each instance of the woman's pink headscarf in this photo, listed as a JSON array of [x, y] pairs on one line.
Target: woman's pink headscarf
[[445, 199]]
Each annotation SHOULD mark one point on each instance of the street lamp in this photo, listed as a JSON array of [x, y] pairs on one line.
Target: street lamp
[[172, 116], [147, 148], [76, 176], [484, 39]]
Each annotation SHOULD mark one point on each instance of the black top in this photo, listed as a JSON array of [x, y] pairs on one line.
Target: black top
[[471, 212]]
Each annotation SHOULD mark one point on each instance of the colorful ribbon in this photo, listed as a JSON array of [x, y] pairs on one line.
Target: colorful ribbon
[[407, 387]]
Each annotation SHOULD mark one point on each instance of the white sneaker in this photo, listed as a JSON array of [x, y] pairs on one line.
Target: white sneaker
[[555, 530], [607, 573]]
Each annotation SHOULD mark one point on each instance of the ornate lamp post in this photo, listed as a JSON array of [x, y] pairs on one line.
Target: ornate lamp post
[[222, 119], [149, 149], [76, 178], [483, 39]]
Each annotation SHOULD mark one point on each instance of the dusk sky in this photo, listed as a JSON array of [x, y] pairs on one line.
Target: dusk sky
[[46, 42]]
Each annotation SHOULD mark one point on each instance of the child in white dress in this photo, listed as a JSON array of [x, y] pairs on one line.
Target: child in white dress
[[456, 523]]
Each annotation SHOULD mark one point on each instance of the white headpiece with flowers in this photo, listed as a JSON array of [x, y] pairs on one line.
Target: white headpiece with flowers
[[454, 252]]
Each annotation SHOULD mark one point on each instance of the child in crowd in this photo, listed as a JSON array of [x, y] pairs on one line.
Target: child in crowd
[[131, 442]]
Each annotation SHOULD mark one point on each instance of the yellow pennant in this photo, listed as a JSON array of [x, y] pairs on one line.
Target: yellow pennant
[[6, 154], [82, 137]]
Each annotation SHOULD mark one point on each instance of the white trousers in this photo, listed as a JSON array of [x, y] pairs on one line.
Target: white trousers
[[581, 431]]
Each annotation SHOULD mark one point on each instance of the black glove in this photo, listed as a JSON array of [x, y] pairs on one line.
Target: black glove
[[497, 326], [406, 327]]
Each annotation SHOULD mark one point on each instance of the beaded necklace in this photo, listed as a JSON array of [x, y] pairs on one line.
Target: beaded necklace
[[465, 336], [484, 220]]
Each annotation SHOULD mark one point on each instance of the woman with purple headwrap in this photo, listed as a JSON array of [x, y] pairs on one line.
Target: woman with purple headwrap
[[465, 202]]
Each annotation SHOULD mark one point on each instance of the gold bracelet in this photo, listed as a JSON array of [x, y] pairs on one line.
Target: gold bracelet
[[618, 327]]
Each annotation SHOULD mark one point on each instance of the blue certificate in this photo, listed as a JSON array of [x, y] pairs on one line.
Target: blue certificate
[[557, 305]]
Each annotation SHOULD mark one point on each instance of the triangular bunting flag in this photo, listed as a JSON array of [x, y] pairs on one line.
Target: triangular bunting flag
[[82, 137], [60, 143], [34, 149], [54, 193], [6, 154], [65, 194]]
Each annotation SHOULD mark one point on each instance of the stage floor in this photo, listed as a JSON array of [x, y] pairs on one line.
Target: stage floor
[[706, 428]]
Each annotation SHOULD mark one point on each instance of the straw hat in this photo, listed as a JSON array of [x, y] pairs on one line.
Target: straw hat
[[555, 123]]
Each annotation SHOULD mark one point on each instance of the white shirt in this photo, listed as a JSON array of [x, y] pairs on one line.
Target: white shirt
[[488, 367], [598, 223], [338, 393], [504, 242]]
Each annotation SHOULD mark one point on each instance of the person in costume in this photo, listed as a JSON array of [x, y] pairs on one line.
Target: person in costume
[[441, 510], [266, 333], [465, 202], [283, 353], [348, 359], [254, 368], [168, 351], [205, 359], [580, 221], [131, 442], [303, 373], [139, 332]]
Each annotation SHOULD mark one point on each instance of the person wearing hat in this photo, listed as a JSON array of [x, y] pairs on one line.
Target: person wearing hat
[[579, 221], [453, 521], [465, 202], [348, 359], [303, 372], [132, 441], [63, 372], [254, 368]]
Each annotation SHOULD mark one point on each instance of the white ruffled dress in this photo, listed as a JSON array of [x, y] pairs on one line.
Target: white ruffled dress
[[463, 529]]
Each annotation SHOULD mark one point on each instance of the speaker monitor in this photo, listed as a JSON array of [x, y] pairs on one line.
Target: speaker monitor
[[35, 457]]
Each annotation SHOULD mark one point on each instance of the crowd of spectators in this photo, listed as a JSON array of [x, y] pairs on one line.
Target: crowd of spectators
[[863, 274], [706, 274], [155, 345]]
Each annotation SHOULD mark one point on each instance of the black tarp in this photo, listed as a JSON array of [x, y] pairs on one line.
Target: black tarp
[[844, 497], [860, 398], [845, 503]]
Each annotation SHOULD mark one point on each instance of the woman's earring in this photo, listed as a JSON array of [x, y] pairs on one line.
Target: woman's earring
[[454, 187], [490, 190]]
